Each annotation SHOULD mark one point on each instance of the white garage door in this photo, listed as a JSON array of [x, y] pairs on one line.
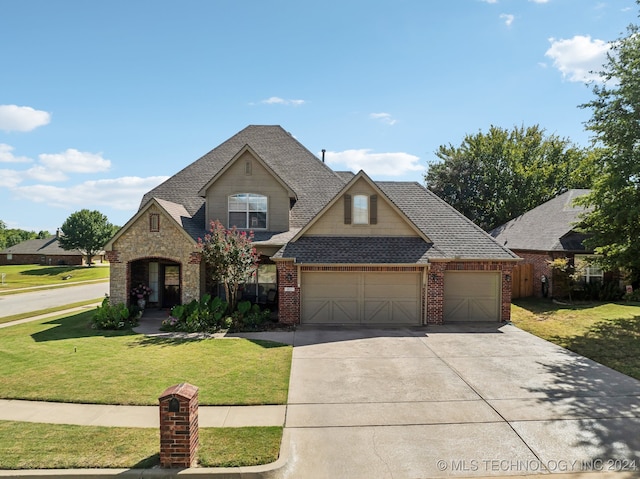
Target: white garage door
[[359, 297], [471, 296]]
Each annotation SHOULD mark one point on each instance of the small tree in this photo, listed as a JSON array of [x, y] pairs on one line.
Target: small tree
[[230, 256], [87, 231]]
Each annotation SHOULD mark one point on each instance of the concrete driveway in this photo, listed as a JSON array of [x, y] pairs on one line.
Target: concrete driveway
[[453, 401]]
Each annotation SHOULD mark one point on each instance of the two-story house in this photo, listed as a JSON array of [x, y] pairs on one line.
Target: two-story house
[[336, 247]]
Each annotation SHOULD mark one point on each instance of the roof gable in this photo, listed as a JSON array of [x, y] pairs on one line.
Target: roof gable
[[177, 215], [313, 182], [42, 246], [330, 220], [246, 149]]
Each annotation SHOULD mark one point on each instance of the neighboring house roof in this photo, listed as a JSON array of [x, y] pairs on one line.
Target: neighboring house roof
[[46, 246], [548, 227], [313, 182]]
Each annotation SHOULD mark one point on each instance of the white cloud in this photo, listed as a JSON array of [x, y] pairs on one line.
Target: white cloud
[[388, 164], [6, 155], [75, 161], [489, 1], [578, 57], [118, 193], [275, 100], [10, 178], [508, 18], [41, 173], [539, 1], [384, 118], [22, 118]]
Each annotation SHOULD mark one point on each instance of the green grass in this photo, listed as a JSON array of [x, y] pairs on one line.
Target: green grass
[[31, 275], [51, 446], [608, 333], [31, 314], [65, 360]]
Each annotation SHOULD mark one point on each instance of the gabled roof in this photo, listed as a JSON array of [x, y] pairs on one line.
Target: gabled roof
[[46, 246], [177, 213], [361, 175], [548, 227], [313, 183], [454, 236], [449, 235]]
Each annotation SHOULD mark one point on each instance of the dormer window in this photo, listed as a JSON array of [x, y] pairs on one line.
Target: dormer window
[[360, 210], [248, 211]]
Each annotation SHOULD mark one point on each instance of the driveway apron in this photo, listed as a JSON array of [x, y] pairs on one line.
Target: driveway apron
[[465, 400]]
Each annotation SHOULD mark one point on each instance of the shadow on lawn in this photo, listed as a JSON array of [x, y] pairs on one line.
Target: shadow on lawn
[[52, 270], [614, 343], [74, 326], [175, 340]]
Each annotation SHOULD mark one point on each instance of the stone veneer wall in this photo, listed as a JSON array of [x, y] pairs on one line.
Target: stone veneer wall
[[435, 285], [170, 242]]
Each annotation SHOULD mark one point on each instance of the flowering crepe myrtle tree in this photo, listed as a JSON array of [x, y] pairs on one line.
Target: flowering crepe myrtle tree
[[230, 256]]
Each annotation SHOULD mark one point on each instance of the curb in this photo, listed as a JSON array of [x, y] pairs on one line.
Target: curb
[[265, 471]]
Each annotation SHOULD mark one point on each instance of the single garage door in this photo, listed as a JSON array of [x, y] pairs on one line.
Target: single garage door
[[471, 296], [361, 297]]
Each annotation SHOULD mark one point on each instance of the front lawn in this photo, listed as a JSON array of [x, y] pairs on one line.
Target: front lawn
[[608, 333], [53, 446], [30, 275], [65, 360]]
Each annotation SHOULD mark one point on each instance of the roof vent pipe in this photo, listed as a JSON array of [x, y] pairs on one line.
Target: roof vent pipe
[[323, 152]]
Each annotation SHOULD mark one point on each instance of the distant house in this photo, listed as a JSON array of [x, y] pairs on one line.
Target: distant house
[[548, 232], [45, 251], [335, 247]]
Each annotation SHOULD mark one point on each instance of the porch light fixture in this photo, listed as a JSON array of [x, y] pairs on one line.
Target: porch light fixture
[[288, 277], [507, 278]]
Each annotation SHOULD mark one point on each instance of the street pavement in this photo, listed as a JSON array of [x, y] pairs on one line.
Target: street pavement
[[36, 300]]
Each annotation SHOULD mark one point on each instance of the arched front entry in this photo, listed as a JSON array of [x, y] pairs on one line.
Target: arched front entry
[[164, 278]]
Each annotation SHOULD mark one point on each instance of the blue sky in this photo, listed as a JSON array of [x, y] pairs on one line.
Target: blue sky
[[101, 101]]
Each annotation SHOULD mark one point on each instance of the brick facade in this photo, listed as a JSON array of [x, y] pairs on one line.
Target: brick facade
[[179, 435], [170, 243], [540, 261], [435, 285], [288, 293], [433, 307]]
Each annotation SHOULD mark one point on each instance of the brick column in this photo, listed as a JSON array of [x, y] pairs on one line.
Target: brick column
[[435, 293], [507, 278], [288, 293], [179, 426]]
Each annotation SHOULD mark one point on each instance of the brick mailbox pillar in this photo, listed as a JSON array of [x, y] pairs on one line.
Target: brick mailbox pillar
[[179, 426]]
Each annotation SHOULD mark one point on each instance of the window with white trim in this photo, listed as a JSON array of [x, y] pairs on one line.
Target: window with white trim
[[360, 210], [248, 211], [590, 273]]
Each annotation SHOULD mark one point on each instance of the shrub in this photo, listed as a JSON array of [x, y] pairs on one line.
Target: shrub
[[115, 316], [206, 315], [249, 317]]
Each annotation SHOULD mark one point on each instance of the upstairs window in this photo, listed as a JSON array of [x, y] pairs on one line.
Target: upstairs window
[[248, 211], [154, 222], [360, 209]]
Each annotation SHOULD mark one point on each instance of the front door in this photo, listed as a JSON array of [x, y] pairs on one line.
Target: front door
[[171, 285]]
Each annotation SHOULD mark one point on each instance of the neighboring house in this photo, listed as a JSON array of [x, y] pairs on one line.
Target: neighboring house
[[335, 247], [545, 233], [45, 251]]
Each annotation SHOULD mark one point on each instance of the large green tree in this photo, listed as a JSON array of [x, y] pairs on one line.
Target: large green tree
[[495, 176], [614, 219], [87, 231], [12, 236]]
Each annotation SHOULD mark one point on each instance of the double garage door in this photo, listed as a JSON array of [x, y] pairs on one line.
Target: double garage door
[[361, 297]]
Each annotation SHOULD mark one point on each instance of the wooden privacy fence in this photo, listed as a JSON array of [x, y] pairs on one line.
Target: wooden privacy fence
[[522, 281]]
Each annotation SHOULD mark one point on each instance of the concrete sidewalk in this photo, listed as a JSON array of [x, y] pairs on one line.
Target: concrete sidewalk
[[135, 416]]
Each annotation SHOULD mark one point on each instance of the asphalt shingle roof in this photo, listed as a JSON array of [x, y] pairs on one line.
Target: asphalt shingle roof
[[548, 227], [453, 235], [313, 182], [45, 246]]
